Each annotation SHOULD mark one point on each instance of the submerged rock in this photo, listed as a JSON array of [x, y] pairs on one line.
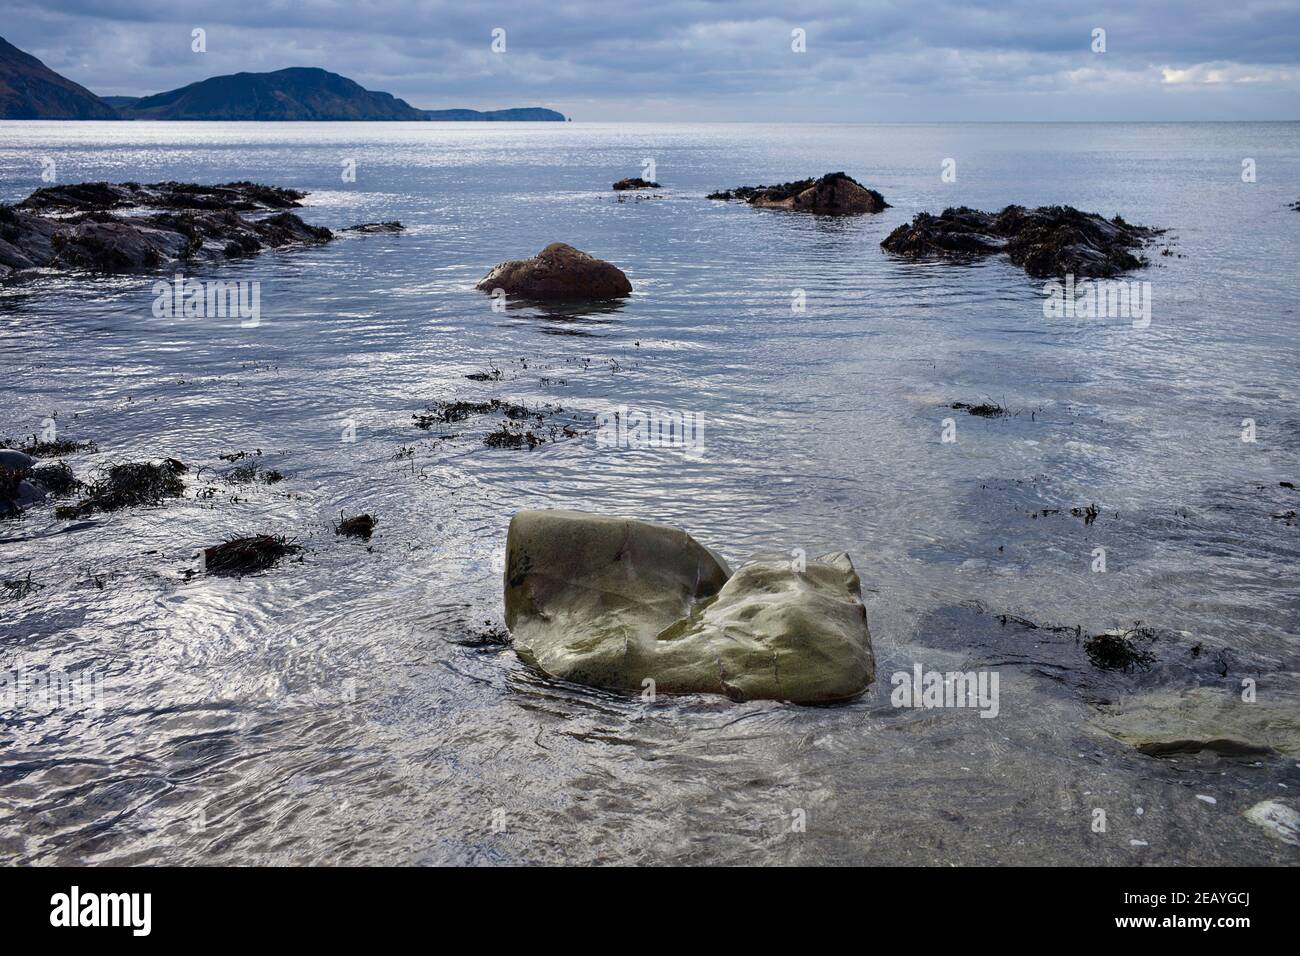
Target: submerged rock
[[558, 272], [1047, 241], [371, 227], [1203, 718], [615, 603], [16, 460], [835, 194]]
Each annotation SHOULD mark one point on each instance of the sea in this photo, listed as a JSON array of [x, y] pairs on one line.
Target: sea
[[359, 703]]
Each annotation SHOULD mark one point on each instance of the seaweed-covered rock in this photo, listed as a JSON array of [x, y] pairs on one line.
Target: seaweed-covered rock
[[80, 226], [835, 194], [558, 272], [93, 197], [635, 182], [1047, 241], [116, 247], [617, 603]]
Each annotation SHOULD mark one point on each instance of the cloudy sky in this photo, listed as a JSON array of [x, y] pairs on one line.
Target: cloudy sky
[[865, 60]]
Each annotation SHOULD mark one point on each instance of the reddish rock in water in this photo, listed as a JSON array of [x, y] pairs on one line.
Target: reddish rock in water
[[835, 194], [558, 272], [635, 183]]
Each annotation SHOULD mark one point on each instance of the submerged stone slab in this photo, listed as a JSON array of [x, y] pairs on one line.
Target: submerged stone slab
[[614, 602], [1206, 718]]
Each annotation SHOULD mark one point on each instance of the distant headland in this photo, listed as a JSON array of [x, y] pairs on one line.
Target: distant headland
[[31, 90]]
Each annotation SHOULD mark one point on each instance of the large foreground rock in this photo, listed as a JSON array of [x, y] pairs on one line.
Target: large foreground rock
[[1207, 718], [559, 272], [1047, 241], [614, 602], [835, 194]]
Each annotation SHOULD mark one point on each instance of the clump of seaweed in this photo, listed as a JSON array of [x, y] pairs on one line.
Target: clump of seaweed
[[19, 588], [57, 479], [1088, 514], [240, 556], [490, 636], [446, 413], [247, 474], [493, 374], [510, 436], [55, 448], [125, 486], [1118, 650], [983, 410], [358, 526], [9, 481]]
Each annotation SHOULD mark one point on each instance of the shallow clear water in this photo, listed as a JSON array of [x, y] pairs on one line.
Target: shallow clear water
[[341, 709]]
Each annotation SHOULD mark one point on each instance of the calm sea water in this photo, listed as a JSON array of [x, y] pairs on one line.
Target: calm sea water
[[342, 710]]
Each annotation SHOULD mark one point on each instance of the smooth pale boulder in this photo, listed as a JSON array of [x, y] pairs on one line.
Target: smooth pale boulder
[[586, 595], [774, 633], [614, 602], [1207, 718], [558, 273]]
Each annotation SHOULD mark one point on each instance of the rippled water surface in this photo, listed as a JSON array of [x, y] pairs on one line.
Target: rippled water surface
[[348, 707]]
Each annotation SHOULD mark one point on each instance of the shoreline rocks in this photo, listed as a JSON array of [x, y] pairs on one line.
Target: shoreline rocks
[[1046, 242], [124, 227], [101, 196], [835, 194], [558, 273], [626, 605]]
